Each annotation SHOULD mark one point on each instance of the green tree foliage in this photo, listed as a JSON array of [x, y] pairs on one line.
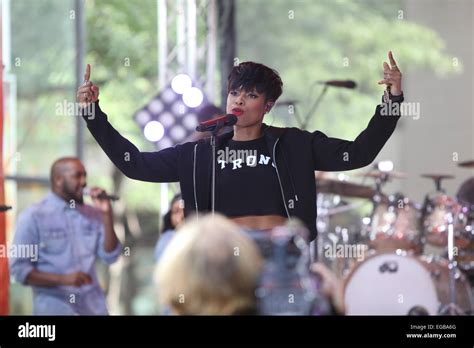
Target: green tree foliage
[[42, 52], [308, 40]]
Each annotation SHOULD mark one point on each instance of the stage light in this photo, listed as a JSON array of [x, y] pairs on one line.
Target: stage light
[[190, 122], [177, 133], [165, 142], [181, 83], [154, 131], [171, 118], [168, 96], [178, 108], [342, 177], [155, 106], [193, 97], [167, 119], [385, 166], [143, 117]]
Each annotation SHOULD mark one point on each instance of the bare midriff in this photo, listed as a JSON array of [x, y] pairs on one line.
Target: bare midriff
[[263, 222]]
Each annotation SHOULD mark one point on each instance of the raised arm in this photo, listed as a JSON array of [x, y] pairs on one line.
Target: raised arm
[[158, 166], [332, 154]]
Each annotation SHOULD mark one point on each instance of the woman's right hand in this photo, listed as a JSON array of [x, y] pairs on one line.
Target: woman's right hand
[[88, 92]]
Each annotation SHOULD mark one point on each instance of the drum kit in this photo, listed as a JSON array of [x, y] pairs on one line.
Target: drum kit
[[403, 258]]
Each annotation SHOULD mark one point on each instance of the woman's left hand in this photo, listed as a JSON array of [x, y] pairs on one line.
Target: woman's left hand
[[392, 76]]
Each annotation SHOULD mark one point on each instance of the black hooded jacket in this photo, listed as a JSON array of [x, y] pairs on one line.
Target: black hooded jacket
[[296, 154]]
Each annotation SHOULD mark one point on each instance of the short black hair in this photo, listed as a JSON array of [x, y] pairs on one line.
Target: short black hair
[[250, 76]]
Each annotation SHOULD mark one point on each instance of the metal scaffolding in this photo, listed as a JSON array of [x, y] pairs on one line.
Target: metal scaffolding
[[187, 34]]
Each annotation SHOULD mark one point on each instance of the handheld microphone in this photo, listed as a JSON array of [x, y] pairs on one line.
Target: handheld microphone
[[222, 121], [339, 83], [103, 195]]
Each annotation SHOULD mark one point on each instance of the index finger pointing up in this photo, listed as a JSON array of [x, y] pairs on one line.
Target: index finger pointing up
[[392, 61], [87, 74]]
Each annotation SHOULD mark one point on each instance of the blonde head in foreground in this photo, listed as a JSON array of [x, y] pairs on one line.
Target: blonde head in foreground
[[211, 267]]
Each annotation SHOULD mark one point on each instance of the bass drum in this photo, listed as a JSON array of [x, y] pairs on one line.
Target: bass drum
[[401, 284]]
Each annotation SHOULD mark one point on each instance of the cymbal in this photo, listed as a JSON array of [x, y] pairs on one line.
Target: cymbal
[[466, 193], [437, 176], [466, 164], [376, 174], [344, 188]]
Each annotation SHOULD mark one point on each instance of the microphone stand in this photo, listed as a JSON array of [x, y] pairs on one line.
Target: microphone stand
[[313, 108], [214, 132], [230, 120]]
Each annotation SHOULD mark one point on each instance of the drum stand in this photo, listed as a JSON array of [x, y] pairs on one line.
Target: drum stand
[[377, 198], [451, 308], [322, 226]]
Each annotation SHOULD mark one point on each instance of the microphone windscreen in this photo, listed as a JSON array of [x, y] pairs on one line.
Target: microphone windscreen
[[231, 120]]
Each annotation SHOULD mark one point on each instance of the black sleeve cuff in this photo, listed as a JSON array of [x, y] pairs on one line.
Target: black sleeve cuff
[[393, 98], [91, 112]]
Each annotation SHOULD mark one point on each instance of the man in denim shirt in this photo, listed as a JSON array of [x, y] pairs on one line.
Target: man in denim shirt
[[68, 236]]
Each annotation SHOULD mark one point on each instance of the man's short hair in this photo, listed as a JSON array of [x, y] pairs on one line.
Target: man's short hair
[[59, 166], [250, 76]]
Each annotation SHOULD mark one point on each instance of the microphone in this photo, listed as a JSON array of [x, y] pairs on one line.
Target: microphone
[[219, 122], [339, 83], [103, 195], [4, 208]]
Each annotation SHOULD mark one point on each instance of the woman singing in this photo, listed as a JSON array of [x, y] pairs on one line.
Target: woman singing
[[274, 180]]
